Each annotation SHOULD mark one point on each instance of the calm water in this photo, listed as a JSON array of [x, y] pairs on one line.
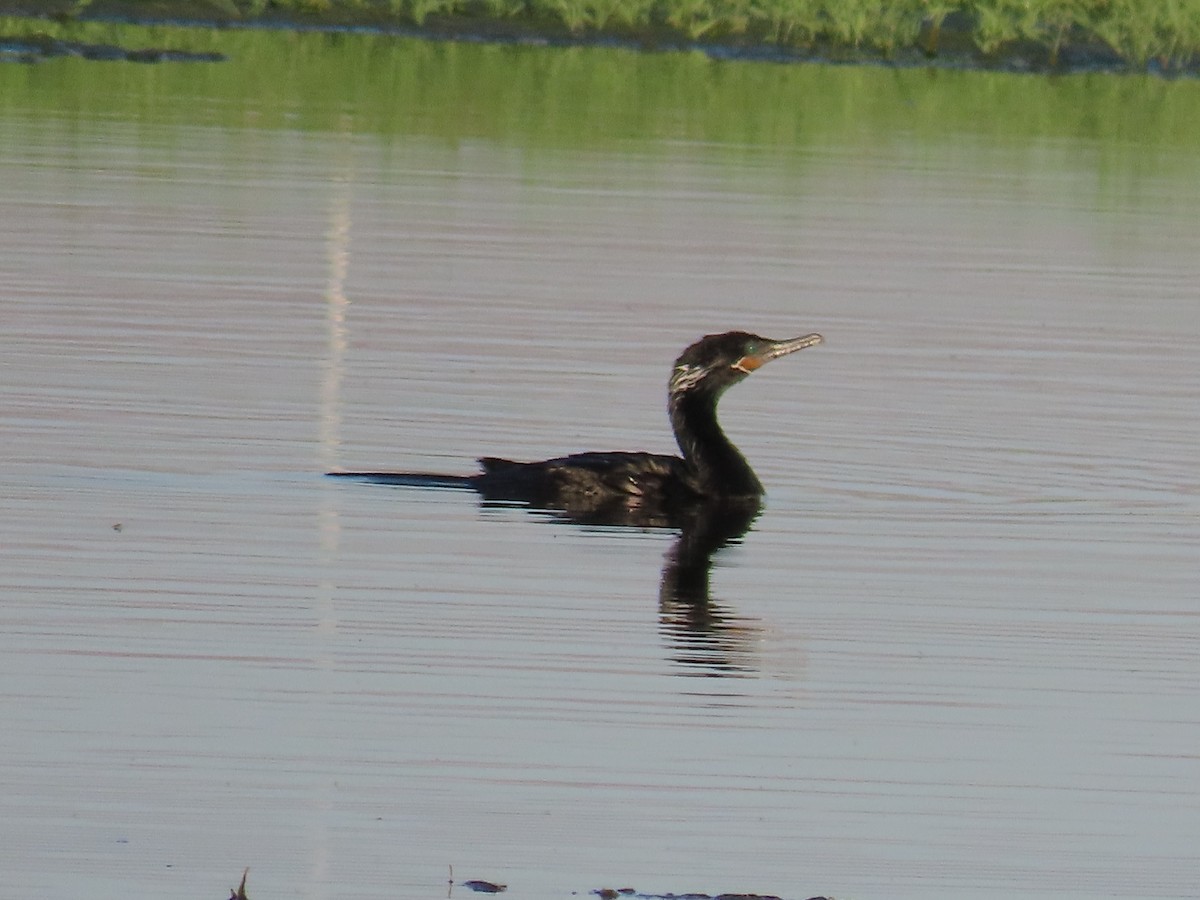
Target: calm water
[[957, 656]]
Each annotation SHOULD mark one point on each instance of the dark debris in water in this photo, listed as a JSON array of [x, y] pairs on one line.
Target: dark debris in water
[[485, 887], [39, 47]]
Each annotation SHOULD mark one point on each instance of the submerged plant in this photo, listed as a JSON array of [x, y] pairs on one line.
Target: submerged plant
[[240, 893]]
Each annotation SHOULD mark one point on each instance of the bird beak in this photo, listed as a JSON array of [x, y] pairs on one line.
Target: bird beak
[[774, 350]]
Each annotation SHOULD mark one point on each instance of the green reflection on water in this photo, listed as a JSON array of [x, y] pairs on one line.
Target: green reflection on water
[[582, 97]]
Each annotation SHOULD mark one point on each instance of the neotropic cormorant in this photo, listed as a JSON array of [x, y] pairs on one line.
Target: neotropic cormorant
[[643, 488]]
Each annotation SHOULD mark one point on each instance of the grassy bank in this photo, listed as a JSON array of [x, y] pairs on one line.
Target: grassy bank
[[1163, 35]]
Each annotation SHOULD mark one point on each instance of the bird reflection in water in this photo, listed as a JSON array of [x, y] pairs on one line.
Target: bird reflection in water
[[710, 495]]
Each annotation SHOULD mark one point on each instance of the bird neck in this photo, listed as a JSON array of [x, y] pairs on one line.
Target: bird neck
[[718, 466]]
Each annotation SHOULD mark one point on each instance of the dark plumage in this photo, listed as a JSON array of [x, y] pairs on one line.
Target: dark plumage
[[642, 488], [711, 467]]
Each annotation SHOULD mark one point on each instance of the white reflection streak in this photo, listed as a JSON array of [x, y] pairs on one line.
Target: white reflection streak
[[336, 305]]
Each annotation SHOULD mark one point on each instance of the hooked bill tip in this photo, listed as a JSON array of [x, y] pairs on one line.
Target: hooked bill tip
[[808, 340]]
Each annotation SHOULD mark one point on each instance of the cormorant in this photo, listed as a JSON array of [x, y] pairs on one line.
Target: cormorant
[[643, 487]]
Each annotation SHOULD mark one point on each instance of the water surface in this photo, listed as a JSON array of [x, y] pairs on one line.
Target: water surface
[[956, 655]]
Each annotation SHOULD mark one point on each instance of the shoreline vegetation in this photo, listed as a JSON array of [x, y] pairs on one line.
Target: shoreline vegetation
[[1161, 37]]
